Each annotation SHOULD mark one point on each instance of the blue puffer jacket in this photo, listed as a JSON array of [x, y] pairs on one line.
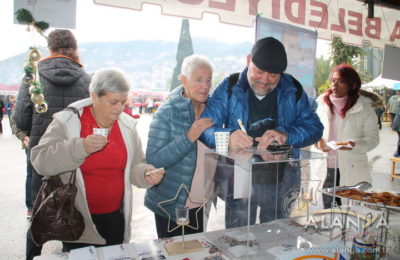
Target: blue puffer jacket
[[169, 147], [296, 118]]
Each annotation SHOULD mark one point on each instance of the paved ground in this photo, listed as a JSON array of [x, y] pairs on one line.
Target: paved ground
[[13, 222]]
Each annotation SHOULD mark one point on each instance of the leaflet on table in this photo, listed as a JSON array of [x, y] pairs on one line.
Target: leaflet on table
[[89, 253], [149, 250], [123, 251], [283, 247], [241, 238], [242, 250]]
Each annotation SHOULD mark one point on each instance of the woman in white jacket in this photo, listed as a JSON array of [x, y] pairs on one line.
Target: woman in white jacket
[[349, 119], [106, 164]]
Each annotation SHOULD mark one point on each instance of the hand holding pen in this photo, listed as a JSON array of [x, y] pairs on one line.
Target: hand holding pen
[[239, 138], [241, 126]]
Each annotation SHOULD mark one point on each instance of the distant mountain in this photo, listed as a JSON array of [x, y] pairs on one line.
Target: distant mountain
[[148, 64]]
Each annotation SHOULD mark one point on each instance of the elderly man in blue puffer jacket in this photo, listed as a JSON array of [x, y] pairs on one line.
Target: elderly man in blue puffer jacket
[[273, 108]]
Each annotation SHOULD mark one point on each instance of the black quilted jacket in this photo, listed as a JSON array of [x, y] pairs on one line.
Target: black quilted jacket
[[64, 81]]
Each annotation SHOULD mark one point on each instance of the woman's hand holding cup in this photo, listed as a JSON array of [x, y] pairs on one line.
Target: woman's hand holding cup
[[94, 143]]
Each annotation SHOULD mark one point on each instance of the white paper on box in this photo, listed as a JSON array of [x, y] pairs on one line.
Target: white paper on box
[[241, 179]]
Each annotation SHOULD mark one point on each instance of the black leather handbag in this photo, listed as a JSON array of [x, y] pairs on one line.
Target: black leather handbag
[[54, 216]]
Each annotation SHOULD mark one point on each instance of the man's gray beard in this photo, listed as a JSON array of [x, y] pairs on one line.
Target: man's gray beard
[[252, 86]]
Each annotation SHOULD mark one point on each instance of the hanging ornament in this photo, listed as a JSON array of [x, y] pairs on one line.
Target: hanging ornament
[[30, 67], [34, 54], [36, 90], [41, 108], [23, 16], [37, 98], [32, 88], [28, 79]]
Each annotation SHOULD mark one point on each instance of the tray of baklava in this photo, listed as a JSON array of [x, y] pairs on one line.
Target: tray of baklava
[[381, 199]]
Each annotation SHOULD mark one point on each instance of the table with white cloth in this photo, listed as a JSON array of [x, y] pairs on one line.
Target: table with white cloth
[[296, 232], [280, 239]]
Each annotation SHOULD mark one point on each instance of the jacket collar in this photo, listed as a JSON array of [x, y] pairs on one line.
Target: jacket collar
[[357, 107], [61, 56]]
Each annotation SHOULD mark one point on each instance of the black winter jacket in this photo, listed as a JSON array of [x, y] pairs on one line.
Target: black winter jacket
[[64, 82]]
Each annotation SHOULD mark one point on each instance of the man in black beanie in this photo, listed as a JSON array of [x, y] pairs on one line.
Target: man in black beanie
[[274, 109]]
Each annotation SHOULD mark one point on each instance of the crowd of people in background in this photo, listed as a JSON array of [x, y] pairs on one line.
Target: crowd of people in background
[[139, 105], [7, 103], [271, 103], [146, 104]]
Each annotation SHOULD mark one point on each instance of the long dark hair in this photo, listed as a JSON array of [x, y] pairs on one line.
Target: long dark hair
[[350, 76], [63, 42]]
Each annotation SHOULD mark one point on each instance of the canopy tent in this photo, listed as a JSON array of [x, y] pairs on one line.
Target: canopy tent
[[345, 18], [380, 82], [9, 89]]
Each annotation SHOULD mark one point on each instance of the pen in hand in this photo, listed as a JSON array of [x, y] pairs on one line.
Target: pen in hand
[[153, 171], [241, 126]]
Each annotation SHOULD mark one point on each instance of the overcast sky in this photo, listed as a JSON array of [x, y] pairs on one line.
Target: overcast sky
[[102, 23]]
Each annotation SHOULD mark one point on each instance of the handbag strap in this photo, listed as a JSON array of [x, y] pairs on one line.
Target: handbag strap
[[72, 177], [71, 183], [76, 111], [73, 109]]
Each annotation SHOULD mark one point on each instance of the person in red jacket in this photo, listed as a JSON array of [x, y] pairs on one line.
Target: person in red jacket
[[128, 109]]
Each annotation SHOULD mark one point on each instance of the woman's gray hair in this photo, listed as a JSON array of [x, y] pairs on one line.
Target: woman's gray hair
[[109, 80], [193, 62]]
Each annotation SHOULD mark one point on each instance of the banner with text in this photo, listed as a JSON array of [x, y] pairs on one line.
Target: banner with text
[[345, 18]]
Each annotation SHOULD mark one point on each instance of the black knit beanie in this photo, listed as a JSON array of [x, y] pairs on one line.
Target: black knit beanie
[[269, 54]]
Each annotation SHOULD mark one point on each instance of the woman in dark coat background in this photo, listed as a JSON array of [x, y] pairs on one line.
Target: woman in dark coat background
[[64, 81]]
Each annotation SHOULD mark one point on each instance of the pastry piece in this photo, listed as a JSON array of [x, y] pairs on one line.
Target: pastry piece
[[386, 198]]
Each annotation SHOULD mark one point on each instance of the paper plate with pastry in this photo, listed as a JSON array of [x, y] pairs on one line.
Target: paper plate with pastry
[[334, 145]]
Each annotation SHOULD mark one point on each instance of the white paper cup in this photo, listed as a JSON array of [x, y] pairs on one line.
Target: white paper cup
[[100, 131], [221, 142]]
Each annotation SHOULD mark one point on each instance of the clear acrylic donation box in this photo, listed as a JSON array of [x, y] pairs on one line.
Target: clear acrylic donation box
[[253, 198]]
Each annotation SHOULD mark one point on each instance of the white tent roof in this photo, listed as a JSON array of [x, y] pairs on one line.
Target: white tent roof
[[381, 82]]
